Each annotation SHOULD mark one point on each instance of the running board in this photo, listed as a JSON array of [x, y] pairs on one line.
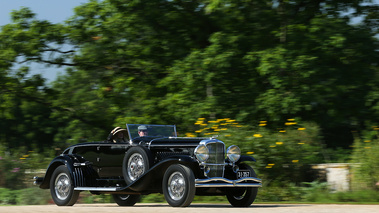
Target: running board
[[98, 189]]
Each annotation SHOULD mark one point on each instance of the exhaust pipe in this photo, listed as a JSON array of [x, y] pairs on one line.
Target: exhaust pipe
[[37, 180]]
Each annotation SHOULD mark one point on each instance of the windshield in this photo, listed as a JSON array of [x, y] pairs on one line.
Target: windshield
[[148, 130]]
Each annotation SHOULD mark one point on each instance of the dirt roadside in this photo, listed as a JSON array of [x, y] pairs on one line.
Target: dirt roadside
[[198, 208]]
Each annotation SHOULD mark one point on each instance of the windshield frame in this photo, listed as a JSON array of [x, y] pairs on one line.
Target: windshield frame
[[163, 131]]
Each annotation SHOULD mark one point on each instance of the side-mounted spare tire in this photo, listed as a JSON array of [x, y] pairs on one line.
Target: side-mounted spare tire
[[62, 187], [137, 161]]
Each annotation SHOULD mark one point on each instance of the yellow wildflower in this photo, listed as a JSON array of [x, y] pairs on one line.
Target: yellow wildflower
[[249, 153], [272, 146], [300, 129], [291, 119], [368, 141], [290, 123], [262, 124], [279, 143], [295, 161], [96, 37], [228, 135], [257, 135]]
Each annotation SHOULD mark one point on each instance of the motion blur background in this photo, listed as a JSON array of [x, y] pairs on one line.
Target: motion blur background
[[293, 83]]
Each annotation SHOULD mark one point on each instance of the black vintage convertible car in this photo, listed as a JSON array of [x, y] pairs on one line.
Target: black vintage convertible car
[[154, 161]]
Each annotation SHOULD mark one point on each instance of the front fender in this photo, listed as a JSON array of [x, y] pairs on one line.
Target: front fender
[[246, 158], [152, 179]]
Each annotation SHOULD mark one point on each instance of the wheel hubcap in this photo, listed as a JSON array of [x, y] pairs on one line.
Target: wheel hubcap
[[136, 166], [62, 186], [176, 186], [240, 194], [124, 197]]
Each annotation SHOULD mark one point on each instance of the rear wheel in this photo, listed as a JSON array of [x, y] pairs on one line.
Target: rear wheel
[[242, 196], [126, 200], [179, 185], [62, 188]]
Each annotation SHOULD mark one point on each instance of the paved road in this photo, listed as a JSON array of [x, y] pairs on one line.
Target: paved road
[[194, 208]]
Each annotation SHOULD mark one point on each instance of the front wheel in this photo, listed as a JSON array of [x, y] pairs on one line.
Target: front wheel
[[126, 200], [179, 185], [242, 196], [62, 188]]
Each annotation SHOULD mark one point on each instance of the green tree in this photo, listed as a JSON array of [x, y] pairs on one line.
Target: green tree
[[172, 61]]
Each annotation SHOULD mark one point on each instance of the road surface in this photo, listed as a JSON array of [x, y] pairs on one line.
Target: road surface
[[193, 208]]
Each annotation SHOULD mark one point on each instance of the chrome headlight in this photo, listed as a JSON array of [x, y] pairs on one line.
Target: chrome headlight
[[233, 153], [202, 153]]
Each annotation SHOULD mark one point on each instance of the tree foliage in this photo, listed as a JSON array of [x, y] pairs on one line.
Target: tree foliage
[[174, 61]]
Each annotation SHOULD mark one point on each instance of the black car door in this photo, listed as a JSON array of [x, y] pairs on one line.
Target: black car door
[[110, 159]]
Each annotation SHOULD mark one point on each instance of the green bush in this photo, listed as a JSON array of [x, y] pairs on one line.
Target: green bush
[[8, 196], [366, 164], [87, 197], [11, 172], [33, 196], [153, 198]]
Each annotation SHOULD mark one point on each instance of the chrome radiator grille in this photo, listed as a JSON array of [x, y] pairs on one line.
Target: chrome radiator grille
[[216, 156]]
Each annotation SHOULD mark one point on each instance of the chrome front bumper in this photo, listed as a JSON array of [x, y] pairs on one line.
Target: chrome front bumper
[[223, 182]]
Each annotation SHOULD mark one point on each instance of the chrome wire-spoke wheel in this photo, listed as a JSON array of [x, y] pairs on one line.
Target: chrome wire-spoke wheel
[[62, 186], [124, 197], [176, 186], [241, 193], [136, 166]]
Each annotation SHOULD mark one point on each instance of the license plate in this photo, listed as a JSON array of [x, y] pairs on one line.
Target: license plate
[[242, 174]]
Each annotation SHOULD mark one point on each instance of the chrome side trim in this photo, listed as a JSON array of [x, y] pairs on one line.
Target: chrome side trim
[[223, 182]]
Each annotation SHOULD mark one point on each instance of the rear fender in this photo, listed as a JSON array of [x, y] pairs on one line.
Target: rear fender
[[72, 162]]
